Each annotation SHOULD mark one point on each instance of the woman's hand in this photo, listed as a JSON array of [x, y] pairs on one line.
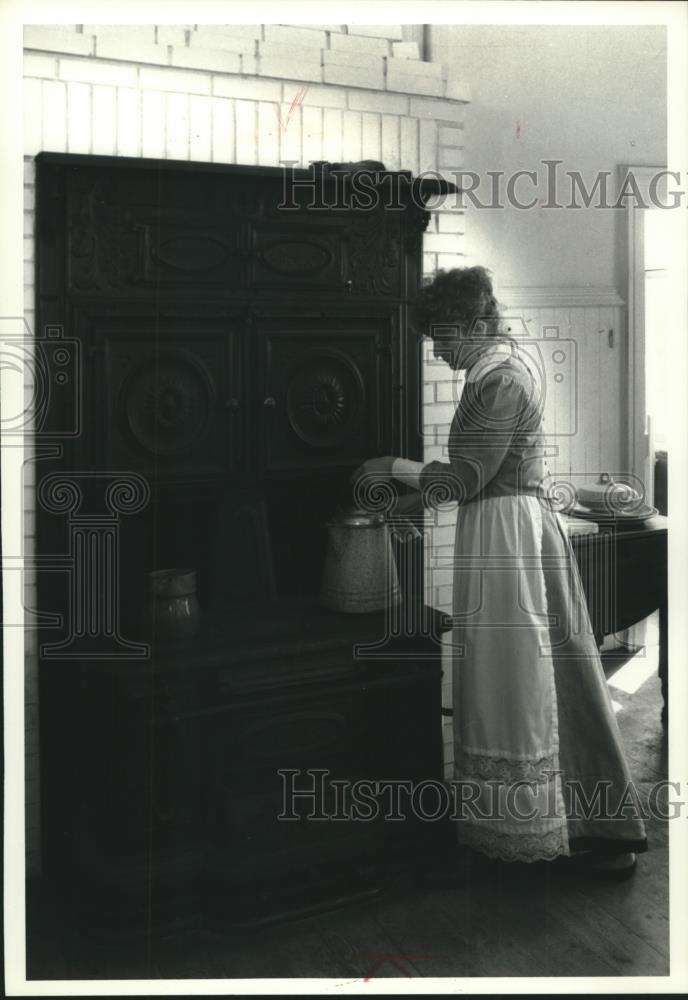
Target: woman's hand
[[375, 468]]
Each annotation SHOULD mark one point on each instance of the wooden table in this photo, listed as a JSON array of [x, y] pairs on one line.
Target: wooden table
[[624, 574]]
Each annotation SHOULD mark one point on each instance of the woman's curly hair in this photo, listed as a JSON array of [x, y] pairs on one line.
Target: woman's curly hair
[[460, 297]]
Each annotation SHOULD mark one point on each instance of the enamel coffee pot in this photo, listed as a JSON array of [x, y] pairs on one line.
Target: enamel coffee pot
[[360, 573]]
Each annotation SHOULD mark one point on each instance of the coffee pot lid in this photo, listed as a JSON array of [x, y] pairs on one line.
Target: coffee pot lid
[[351, 516]]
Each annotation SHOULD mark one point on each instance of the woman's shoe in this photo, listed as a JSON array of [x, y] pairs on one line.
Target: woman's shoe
[[609, 868], [616, 869]]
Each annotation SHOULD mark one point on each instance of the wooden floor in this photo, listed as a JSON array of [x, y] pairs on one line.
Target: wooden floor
[[543, 923]]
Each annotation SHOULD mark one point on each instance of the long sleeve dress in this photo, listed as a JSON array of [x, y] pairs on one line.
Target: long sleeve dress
[[539, 763]]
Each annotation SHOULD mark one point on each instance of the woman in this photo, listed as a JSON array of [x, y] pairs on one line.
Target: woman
[[538, 754]]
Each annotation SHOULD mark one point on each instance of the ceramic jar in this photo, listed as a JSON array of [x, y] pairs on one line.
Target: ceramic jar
[[172, 611]]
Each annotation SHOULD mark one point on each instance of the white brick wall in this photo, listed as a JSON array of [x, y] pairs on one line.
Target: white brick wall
[[414, 67], [364, 100], [313, 53], [96, 71], [412, 83], [428, 144], [172, 34], [143, 32], [131, 50], [323, 97], [451, 223], [57, 39], [440, 243], [31, 749], [446, 111], [341, 57], [358, 43], [239, 94], [286, 68], [250, 90], [288, 36], [209, 38], [215, 60], [354, 76], [249, 32], [391, 31], [405, 50], [176, 80]]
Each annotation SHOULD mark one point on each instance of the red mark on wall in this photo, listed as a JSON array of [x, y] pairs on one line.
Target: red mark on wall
[[396, 961], [296, 102], [518, 130]]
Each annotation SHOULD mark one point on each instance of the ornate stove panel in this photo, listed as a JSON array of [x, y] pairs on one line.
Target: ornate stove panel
[[326, 391], [178, 254], [171, 405], [288, 255], [140, 235]]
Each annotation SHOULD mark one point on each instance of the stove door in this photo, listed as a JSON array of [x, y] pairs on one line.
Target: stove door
[[327, 396], [164, 390]]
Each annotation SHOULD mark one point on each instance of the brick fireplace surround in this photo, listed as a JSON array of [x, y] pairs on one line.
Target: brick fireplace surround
[[257, 95]]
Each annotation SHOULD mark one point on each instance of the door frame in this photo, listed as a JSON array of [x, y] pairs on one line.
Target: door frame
[[639, 459]]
